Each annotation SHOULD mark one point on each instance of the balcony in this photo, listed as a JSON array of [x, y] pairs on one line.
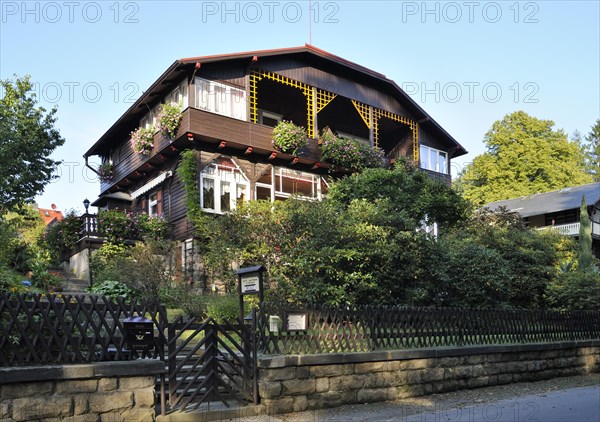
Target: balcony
[[572, 229]]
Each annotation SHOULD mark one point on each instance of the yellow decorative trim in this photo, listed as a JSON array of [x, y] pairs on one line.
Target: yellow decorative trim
[[284, 80], [363, 111], [254, 79], [413, 125], [324, 98]]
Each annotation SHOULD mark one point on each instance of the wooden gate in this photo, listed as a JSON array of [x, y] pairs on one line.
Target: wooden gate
[[210, 362]]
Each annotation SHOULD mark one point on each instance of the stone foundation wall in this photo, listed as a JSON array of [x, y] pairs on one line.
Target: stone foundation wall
[[108, 391], [297, 383]]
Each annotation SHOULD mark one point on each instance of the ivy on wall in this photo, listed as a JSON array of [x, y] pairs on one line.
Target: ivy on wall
[[188, 175]]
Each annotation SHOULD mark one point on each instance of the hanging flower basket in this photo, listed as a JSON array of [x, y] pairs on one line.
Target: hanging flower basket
[[105, 171], [142, 140], [169, 118]]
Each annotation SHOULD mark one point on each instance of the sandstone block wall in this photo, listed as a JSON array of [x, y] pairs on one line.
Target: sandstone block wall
[[78, 394], [290, 384]]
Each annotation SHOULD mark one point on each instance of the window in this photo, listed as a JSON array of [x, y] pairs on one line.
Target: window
[[268, 118], [433, 159], [149, 119], [562, 217], [153, 204], [178, 96], [289, 182], [223, 186], [187, 259], [220, 98]]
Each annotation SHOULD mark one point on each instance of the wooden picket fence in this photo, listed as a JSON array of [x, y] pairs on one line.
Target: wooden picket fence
[[331, 330]]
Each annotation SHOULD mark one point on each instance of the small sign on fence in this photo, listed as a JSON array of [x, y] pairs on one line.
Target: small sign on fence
[[296, 321]]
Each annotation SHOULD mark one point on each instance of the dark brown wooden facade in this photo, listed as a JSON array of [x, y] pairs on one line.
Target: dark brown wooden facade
[[306, 85]]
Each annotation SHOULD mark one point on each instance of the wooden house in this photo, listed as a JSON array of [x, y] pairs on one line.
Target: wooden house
[[230, 104], [559, 210]]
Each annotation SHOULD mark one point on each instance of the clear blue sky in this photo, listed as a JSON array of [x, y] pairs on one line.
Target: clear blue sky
[[467, 63]]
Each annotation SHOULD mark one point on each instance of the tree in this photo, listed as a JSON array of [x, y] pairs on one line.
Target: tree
[[592, 151], [586, 259], [524, 156], [27, 138], [406, 196]]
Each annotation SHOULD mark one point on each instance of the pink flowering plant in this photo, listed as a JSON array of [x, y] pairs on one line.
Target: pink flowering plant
[[115, 226], [142, 140], [119, 226], [169, 118], [288, 137], [350, 153]]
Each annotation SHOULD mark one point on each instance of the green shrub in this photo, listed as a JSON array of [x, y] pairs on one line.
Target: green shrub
[[155, 227], [112, 289], [115, 226], [575, 290], [44, 279], [223, 308], [62, 236]]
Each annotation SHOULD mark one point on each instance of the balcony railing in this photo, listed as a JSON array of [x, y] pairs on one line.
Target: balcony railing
[[571, 229], [89, 226]]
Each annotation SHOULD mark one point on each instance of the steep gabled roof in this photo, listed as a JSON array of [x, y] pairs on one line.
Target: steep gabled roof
[[180, 67], [548, 202]]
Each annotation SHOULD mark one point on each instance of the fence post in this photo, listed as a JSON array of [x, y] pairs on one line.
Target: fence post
[[253, 333], [171, 359]]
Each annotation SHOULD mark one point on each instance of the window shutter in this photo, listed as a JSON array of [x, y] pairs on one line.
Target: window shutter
[[159, 198]]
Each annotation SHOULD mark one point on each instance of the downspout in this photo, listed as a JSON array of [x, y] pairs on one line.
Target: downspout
[[90, 167]]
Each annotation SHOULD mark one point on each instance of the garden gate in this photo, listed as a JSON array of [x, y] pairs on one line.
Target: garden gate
[[210, 362]]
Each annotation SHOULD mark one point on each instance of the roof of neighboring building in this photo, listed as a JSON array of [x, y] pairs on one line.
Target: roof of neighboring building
[[544, 203], [173, 74], [50, 215]]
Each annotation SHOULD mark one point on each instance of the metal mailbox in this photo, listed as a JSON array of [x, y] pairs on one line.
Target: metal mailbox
[[139, 332]]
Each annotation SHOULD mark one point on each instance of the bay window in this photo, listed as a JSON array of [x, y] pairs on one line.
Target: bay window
[[224, 186]]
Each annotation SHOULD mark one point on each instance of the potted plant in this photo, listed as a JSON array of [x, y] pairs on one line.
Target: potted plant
[[142, 140], [169, 118], [105, 171], [288, 137]]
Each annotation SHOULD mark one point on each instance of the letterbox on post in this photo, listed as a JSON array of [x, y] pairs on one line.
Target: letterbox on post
[[139, 332], [250, 282]]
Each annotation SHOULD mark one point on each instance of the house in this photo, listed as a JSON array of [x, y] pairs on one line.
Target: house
[[230, 104], [50, 216], [558, 210]]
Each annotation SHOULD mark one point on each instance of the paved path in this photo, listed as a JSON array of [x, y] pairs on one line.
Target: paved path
[[572, 399]]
